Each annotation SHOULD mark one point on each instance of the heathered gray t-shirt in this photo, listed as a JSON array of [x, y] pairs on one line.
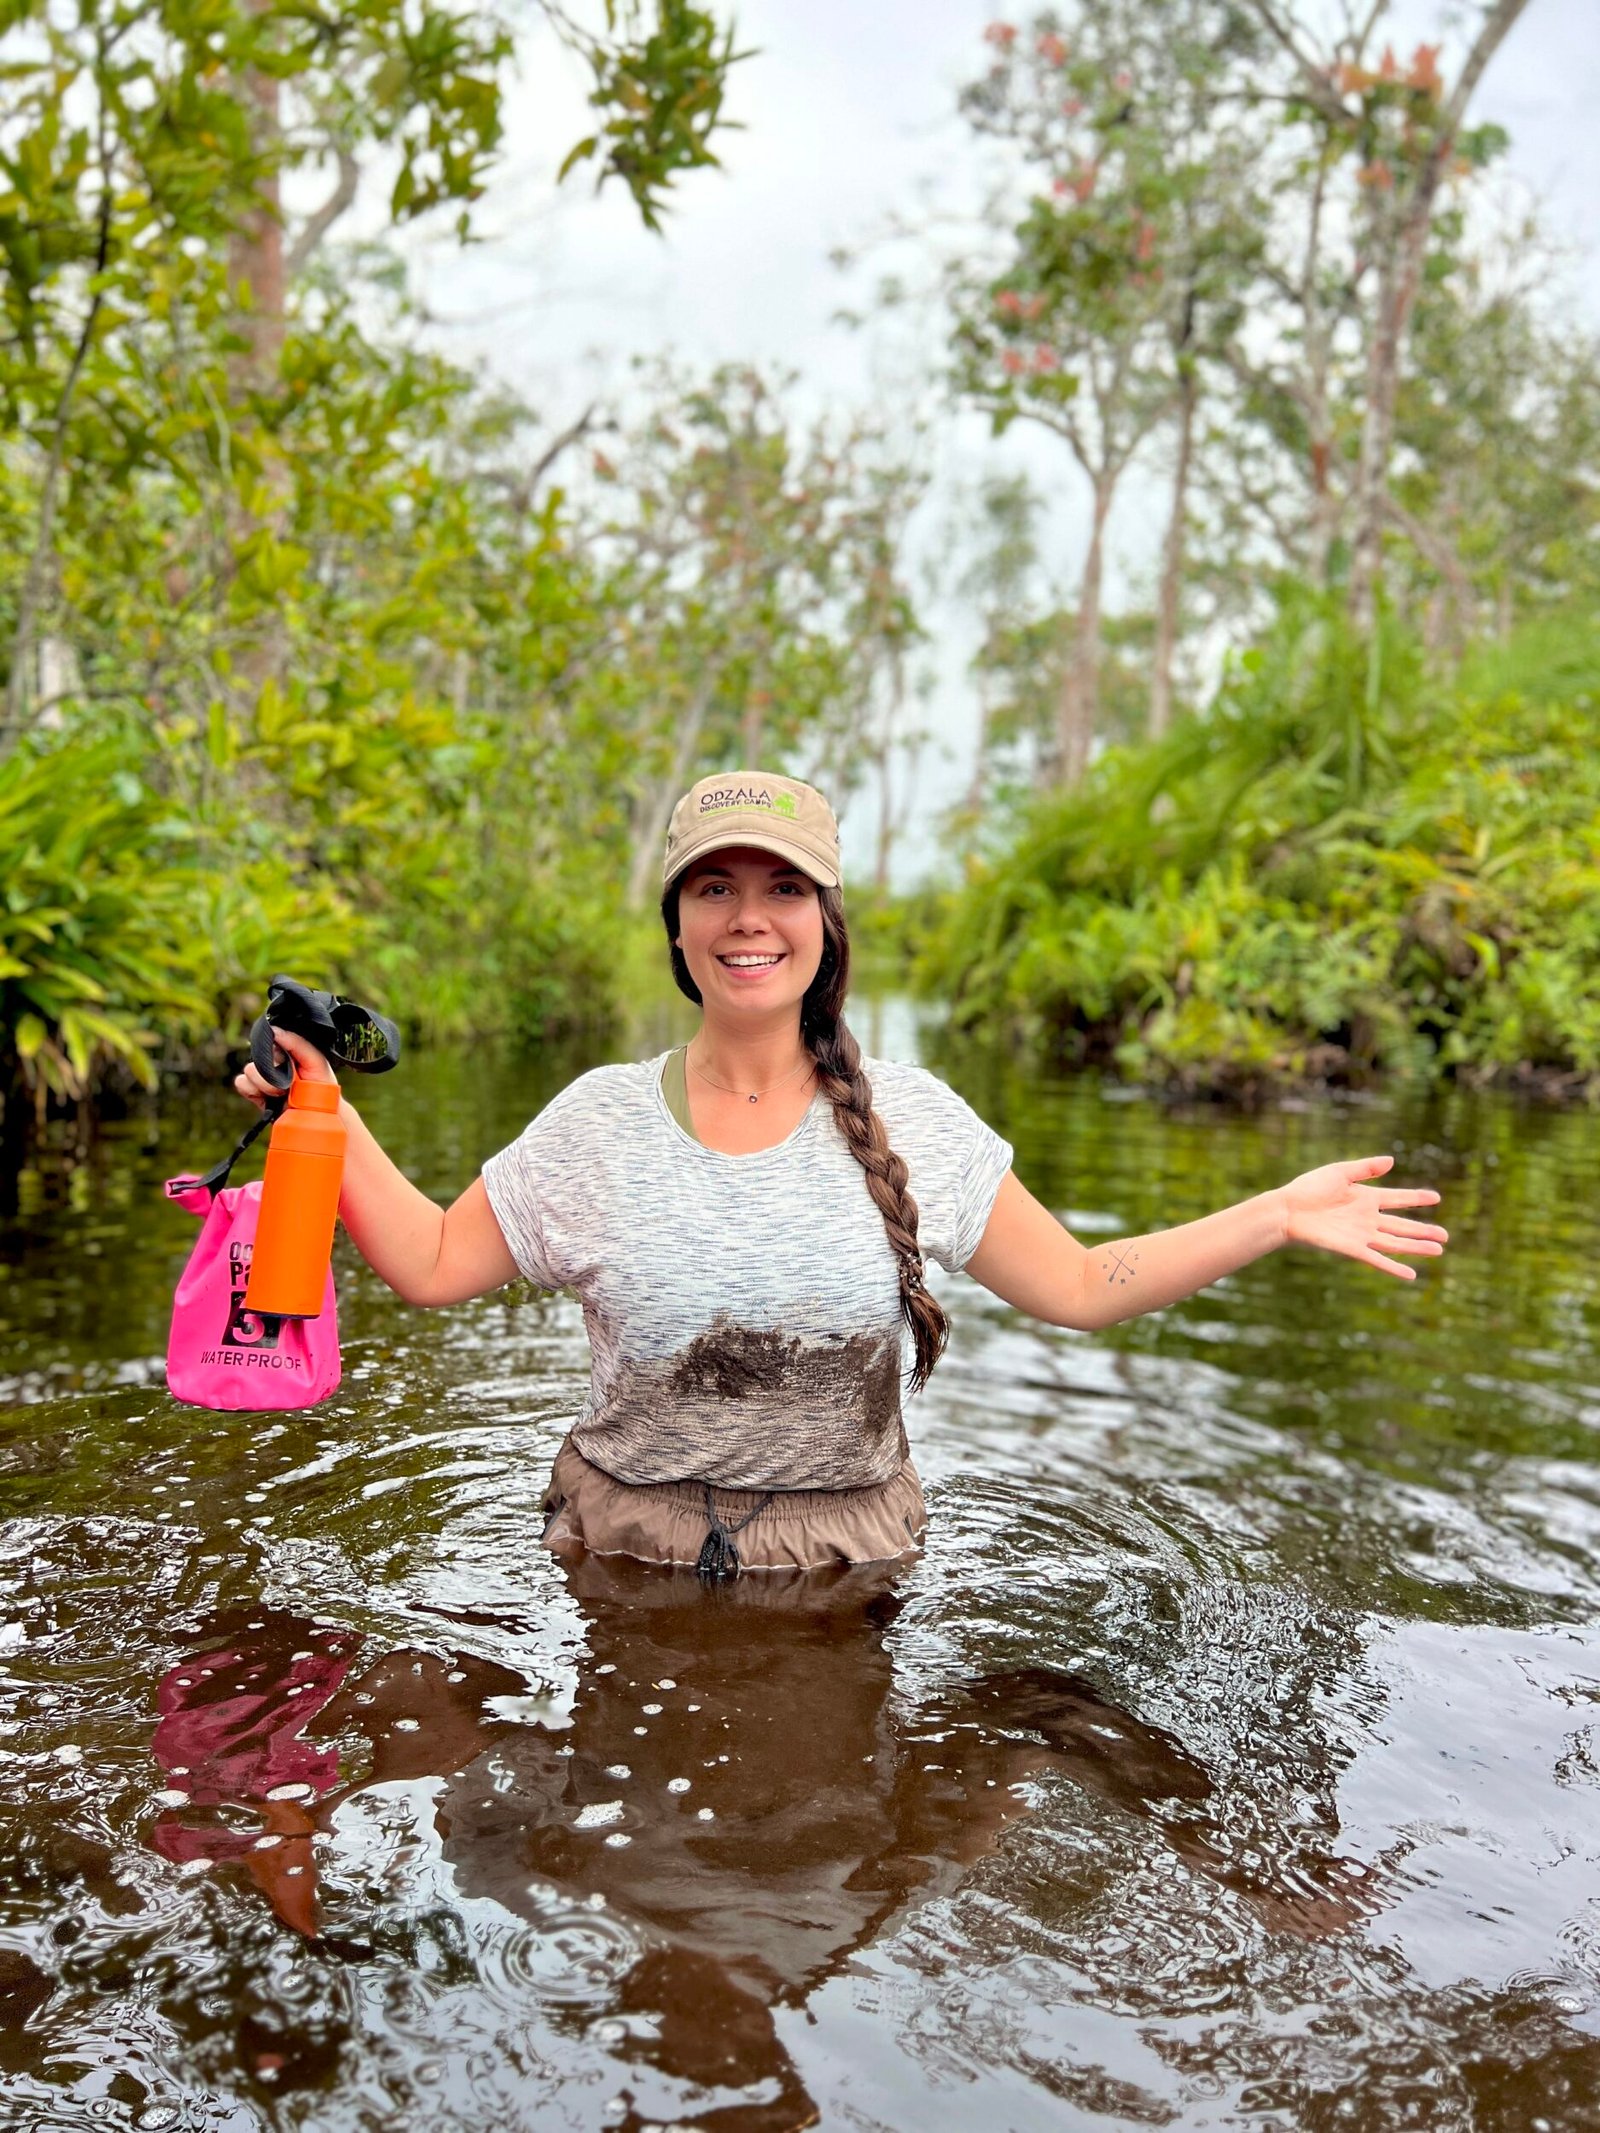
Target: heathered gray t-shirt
[[743, 1310]]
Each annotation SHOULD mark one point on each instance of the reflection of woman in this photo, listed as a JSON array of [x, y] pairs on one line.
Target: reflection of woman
[[736, 1779], [747, 1221]]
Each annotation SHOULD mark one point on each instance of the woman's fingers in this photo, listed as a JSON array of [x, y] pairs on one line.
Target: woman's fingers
[[1397, 1226], [1418, 1196], [299, 1051], [307, 1059], [1388, 1266], [1368, 1166]]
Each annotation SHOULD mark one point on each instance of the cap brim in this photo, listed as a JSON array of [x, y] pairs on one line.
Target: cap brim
[[818, 870]]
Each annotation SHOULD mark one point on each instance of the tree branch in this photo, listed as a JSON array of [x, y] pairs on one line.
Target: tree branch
[[317, 226], [573, 434]]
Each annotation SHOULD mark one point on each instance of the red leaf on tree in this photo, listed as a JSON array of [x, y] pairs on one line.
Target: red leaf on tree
[[1424, 72]]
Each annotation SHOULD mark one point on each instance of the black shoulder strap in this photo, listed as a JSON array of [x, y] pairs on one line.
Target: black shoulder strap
[[217, 1176]]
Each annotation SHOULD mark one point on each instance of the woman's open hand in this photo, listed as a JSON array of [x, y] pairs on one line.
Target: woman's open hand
[[1334, 1210], [308, 1063]]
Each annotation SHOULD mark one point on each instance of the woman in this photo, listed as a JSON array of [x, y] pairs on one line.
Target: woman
[[747, 1224]]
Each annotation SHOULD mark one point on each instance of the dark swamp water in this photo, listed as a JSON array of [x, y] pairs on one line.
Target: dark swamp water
[[1231, 1759]]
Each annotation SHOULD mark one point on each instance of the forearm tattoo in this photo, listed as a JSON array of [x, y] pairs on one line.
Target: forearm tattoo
[[1119, 1264]]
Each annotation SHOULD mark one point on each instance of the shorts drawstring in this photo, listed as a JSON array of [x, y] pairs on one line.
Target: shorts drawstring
[[719, 1558]]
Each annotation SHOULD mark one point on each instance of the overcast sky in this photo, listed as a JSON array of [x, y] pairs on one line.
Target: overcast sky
[[847, 112]]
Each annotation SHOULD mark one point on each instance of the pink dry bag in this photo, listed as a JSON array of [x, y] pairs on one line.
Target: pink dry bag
[[218, 1353]]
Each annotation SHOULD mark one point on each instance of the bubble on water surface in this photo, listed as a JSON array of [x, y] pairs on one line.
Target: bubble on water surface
[[289, 1792], [677, 1784], [600, 1815]]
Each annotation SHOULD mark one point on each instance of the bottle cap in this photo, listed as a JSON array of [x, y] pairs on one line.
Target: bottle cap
[[313, 1095]]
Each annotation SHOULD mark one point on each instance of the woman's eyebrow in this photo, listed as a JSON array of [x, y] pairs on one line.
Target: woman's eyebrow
[[781, 872]]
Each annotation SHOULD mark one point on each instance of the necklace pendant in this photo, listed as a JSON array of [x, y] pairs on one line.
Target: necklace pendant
[[756, 1098]]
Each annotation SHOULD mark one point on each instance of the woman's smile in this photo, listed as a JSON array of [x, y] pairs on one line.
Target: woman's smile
[[749, 922]]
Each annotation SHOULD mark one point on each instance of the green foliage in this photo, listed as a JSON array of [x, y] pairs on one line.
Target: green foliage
[[658, 95], [118, 941], [1343, 869], [303, 659]]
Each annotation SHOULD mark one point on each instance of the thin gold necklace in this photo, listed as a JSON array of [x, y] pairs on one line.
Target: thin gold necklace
[[730, 1090]]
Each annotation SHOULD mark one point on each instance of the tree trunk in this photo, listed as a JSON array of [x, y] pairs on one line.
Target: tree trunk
[[1172, 561], [1399, 277], [258, 283], [980, 765], [1319, 417], [887, 826], [1080, 689], [21, 684], [255, 250], [654, 809]]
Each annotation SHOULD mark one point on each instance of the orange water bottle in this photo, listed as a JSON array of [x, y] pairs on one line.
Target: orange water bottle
[[299, 1204]]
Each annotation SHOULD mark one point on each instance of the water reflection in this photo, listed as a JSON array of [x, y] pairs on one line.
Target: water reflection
[[735, 1801]]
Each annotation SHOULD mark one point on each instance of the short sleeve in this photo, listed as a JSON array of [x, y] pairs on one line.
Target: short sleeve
[[528, 1184], [956, 1161], [983, 1168]]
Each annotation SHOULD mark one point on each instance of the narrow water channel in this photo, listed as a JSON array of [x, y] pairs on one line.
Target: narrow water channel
[[1231, 1759]]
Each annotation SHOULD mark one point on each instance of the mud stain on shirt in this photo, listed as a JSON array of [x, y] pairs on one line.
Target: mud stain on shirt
[[756, 1408]]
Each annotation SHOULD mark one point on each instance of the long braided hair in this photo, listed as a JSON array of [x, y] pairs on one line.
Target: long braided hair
[[842, 1080]]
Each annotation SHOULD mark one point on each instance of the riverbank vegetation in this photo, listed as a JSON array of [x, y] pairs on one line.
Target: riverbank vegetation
[[1353, 865], [322, 653]]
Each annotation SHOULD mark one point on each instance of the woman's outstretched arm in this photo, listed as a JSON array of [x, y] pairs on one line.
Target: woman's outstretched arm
[[1028, 1259], [427, 1254]]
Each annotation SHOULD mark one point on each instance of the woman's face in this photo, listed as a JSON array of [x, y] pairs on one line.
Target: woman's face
[[750, 928]]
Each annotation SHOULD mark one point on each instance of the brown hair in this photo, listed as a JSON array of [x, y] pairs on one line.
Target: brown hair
[[843, 1081]]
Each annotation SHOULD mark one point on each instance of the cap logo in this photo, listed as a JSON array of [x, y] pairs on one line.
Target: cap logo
[[722, 796]]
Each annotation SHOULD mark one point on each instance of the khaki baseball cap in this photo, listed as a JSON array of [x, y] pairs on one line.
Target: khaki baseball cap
[[754, 807]]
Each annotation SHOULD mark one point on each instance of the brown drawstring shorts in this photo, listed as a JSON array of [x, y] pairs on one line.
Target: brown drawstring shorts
[[786, 1529]]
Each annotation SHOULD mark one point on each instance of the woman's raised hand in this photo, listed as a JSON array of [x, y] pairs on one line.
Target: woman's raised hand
[[1334, 1209], [308, 1062]]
